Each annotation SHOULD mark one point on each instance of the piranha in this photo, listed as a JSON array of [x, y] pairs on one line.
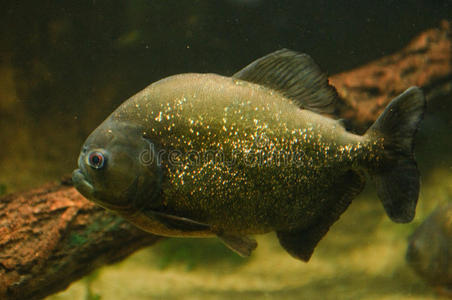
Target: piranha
[[204, 155], [429, 250]]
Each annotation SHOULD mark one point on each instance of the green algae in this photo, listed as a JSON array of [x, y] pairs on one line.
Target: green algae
[[77, 239], [88, 280], [105, 224]]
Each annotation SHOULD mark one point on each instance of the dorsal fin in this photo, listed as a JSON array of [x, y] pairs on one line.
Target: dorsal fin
[[296, 76]]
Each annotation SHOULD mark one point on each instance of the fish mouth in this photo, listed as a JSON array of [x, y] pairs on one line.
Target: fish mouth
[[87, 190], [81, 184]]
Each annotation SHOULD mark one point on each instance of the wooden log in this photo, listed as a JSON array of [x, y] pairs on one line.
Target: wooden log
[[425, 62], [52, 236]]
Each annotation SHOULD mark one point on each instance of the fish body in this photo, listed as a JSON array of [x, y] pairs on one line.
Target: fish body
[[237, 150], [207, 155], [429, 250]]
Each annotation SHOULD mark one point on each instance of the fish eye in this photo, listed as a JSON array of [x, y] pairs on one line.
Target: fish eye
[[96, 160]]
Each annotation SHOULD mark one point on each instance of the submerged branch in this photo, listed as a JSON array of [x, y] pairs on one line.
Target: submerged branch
[[426, 62], [52, 236]]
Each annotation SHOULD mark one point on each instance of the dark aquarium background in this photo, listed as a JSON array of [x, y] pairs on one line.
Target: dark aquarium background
[[66, 65]]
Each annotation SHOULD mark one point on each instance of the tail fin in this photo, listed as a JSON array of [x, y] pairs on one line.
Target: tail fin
[[398, 180]]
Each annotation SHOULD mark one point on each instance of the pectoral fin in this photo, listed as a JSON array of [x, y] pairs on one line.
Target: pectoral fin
[[176, 222], [241, 245], [300, 243]]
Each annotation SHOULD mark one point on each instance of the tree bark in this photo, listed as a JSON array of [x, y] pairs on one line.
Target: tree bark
[[52, 236], [426, 62]]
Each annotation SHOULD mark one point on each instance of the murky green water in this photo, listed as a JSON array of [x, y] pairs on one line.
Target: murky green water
[[65, 66]]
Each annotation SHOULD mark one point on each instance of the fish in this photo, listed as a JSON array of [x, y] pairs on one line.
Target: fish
[[205, 155], [429, 251]]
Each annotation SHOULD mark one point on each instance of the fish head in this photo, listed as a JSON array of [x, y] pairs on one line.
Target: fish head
[[116, 168]]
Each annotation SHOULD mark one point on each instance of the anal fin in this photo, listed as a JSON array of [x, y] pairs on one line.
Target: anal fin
[[241, 245], [300, 243]]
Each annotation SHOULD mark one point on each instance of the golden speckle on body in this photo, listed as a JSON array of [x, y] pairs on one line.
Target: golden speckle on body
[[257, 134]]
